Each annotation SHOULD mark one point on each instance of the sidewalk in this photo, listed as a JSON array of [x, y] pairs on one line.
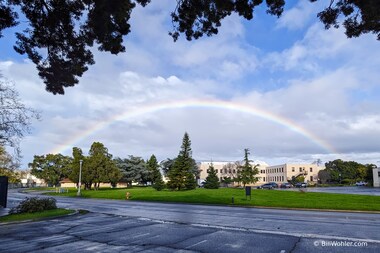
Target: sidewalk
[[4, 211]]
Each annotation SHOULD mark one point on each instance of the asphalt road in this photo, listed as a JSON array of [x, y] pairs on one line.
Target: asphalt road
[[126, 226]]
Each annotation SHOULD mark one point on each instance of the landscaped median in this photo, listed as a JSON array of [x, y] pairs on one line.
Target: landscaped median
[[223, 196], [36, 216]]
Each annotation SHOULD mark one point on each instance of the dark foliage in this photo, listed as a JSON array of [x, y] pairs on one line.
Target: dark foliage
[[60, 32], [212, 181], [181, 175], [35, 204]]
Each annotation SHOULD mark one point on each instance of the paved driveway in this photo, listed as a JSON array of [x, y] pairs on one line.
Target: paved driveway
[[97, 232], [361, 190], [131, 226]]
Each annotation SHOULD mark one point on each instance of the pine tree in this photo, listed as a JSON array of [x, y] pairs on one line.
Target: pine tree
[[247, 172], [212, 181], [180, 174], [155, 174]]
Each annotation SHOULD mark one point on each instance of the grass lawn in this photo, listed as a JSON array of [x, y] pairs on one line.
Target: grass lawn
[[35, 216], [223, 196]]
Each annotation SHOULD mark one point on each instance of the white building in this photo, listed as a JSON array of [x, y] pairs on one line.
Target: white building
[[286, 172], [278, 173], [28, 180]]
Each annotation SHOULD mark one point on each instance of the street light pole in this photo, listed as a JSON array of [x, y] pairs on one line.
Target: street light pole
[[80, 177]]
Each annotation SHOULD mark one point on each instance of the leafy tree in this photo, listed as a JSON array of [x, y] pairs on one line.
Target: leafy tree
[[7, 167], [348, 170], [212, 181], [133, 169], [52, 168], [181, 174], [238, 166], [299, 179], [100, 164], [324, 176], [15, 117], [166, 165], [75, 165], [247, 173], [114, 175], [59, 34]]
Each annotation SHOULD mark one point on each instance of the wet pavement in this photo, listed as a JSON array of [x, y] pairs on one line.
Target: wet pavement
[[343, 190], [133, 226], [95, 232]]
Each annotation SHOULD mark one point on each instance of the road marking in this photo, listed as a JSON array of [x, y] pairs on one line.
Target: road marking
[[195, 244], [260, 231], [137, 236]]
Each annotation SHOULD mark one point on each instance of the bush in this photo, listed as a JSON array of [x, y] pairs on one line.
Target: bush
[[35, 204]]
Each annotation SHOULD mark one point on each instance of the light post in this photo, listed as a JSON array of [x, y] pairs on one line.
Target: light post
[[80, 177], [340, 178]]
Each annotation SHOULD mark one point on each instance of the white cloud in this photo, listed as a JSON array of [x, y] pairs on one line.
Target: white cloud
[[299, 16], [324, 79]]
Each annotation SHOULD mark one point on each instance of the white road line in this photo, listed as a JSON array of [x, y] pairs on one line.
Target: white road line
[[195, 244], [137, 236]]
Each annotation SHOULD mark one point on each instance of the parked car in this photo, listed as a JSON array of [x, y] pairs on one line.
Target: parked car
[[301, 185], [361, 183], [286, 185], [269, 186]]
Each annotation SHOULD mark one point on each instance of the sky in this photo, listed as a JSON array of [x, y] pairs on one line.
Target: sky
[[285, 88]]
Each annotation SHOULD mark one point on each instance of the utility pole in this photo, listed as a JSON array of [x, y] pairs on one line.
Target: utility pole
[[80, 177]]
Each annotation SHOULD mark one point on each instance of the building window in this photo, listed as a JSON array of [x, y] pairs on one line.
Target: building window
[[229, 170], [311, 169], [234, 171], [293, 169], [311, 178], [300, 169], [264, 179], [216, 171]]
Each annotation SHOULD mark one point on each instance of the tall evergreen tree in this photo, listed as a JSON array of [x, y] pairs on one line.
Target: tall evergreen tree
[[247, 173], [212, 181], [155, 174], [180, 175]]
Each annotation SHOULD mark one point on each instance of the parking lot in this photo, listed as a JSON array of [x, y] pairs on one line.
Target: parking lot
[[343, 190]]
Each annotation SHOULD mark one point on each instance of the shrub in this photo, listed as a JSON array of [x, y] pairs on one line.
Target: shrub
[[35, 204]]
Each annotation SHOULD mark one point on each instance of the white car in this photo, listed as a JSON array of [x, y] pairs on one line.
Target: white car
[[361, 183]]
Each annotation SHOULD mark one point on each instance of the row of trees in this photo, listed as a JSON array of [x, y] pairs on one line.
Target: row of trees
[[346, 172], [98, 167]]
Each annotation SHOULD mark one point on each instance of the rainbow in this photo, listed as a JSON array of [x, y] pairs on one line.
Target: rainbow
[[195, 103]]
